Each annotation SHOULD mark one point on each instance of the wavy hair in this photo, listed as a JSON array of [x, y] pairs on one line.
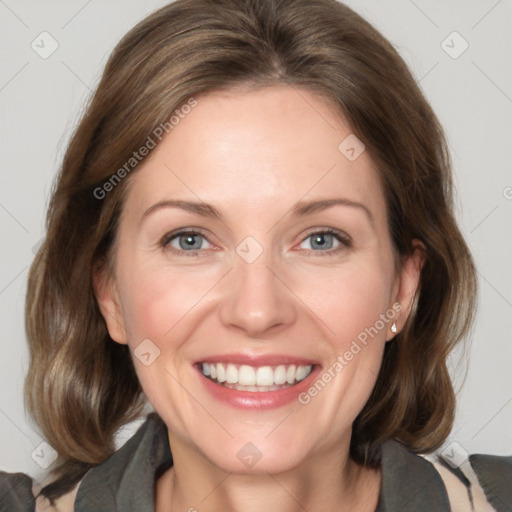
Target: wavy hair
[[81, 386]]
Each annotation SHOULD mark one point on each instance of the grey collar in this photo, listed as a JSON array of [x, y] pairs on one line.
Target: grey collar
[[125, 482]]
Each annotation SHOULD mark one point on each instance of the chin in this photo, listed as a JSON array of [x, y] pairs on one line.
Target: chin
[[255, 455]]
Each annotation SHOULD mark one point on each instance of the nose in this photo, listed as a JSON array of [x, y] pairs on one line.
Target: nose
[[256, 299]]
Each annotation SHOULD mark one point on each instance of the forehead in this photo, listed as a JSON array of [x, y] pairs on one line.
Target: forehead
[[261, 149]]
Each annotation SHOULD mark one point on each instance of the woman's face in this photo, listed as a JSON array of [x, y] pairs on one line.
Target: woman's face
[[288, 298]]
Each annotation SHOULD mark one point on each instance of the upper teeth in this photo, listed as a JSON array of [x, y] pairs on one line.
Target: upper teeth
[[256, 376]]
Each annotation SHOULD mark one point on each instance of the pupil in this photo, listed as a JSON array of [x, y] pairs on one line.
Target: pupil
[[189, 241], [320, 240]]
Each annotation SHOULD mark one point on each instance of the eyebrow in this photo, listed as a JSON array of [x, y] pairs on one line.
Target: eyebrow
[[307, 207], [300, 209], [199, 208]]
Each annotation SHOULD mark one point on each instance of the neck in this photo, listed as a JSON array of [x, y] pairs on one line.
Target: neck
[[325, 482]]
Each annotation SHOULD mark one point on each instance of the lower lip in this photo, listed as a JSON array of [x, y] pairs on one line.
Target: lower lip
[[258, 399]]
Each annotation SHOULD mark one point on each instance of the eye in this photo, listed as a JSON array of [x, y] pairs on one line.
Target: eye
[[185, 241], [324, 240], [328, 241]]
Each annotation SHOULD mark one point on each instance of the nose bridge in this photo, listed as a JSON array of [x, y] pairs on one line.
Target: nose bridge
[[255, 298]]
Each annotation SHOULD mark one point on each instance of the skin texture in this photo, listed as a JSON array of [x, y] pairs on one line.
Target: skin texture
[[253, 155]]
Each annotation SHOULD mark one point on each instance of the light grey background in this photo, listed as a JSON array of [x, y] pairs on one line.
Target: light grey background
[[41, 100]]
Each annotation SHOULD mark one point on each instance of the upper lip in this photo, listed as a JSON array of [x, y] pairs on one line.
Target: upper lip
[[258, 360]]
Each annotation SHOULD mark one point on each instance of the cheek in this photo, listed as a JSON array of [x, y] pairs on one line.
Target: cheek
[[353, 304], [158, 305], [156, 300], [348, 301]]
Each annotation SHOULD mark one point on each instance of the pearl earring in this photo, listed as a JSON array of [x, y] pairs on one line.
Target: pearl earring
[[393, 327]]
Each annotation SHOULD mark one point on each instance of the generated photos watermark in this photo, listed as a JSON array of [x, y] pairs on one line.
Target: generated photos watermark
[[355, 348], [151, 142]]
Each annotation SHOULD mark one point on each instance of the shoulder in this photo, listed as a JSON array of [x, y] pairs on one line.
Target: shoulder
[[494, 474], [65, 503], [450, 480], [480, 483], [18, 494], [128, 475]]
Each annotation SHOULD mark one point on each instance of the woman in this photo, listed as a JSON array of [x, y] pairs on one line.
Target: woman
[[252, 232]]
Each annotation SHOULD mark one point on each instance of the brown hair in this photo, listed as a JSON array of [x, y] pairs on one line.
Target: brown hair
[[81, 386]]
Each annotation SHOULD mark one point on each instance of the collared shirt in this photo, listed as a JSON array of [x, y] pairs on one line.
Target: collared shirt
[[125, 482]]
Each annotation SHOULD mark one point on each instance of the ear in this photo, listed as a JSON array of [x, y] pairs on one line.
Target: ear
[[110, 306], [406, 284]]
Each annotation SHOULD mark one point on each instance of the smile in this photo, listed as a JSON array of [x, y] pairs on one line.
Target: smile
[[255, 379]]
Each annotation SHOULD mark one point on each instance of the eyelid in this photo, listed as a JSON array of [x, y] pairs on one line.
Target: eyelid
[[331, 231], [182, 231]]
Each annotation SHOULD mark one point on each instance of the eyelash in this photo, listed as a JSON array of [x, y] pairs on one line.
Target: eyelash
[[344, 240]]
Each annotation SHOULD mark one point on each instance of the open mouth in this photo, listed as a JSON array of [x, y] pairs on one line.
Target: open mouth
[[255, 378]]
